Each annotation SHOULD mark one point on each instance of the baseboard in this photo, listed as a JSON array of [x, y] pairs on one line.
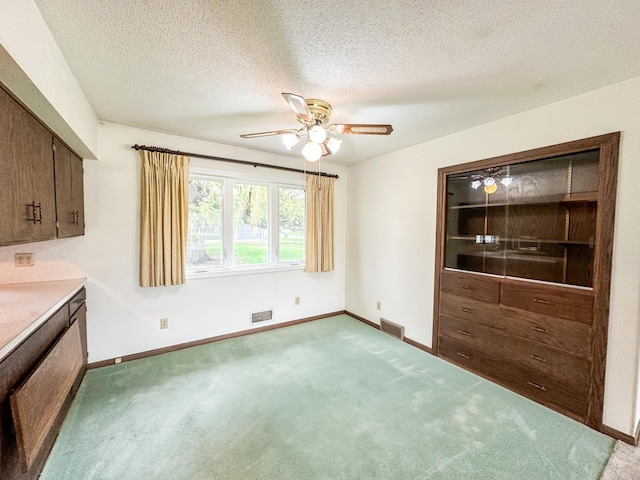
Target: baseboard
[[618, 435], [204, 341], [413, 343]]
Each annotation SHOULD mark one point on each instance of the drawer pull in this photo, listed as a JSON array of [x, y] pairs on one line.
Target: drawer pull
[[466, 287], [540, 359], [463, 355], [464, 332], [466, 310], [539, 387], [540, 329], [540, 300]]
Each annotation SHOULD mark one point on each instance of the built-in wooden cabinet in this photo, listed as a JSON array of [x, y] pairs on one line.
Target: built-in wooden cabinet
[[40, 199], [69, 192], [26, 176], [523, 271], [38, 381]]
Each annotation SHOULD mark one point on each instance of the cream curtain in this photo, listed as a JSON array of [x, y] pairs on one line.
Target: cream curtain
[[164, 210], [319, 255]]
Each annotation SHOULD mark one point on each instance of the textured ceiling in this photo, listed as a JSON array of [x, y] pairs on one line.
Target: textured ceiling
[[215, 69]]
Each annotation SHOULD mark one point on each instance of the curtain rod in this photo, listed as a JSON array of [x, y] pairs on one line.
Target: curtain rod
[[230, 160]]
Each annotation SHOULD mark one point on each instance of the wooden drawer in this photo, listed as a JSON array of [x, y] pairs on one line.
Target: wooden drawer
[[555, 301], [478, 287], [569, 368], [77, 300], [467, 308], [556, 332], [531, 383]]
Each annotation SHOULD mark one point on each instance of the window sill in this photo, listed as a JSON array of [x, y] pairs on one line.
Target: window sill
[[244, 271]]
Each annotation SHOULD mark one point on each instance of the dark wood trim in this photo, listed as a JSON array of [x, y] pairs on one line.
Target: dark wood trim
[[441, 231], [363, 320], [618, 435], [204, 341], [565, 148], [419, 345], [602, 259], [413, 343]]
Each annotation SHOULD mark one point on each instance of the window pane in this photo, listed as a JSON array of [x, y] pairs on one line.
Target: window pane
[[292, 226], [250, 229], [204, 243]]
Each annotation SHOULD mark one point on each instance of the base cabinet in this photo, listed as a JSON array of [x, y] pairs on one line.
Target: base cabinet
[[27, 381], [540, 355]]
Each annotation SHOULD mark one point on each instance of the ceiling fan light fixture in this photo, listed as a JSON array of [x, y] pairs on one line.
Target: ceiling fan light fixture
[[506, 181], [290, 140], [333, 144], [312, 151], [317, 134]]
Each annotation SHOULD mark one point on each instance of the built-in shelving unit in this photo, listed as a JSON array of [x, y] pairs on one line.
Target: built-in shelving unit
[[523, 269]]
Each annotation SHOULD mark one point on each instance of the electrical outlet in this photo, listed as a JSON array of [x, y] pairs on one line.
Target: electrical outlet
[[164, 323], [297, 301], [24, 259], [379, 305], [117, 360]]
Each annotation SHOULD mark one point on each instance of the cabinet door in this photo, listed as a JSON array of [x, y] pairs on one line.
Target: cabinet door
[[26, 176], [69, 192]]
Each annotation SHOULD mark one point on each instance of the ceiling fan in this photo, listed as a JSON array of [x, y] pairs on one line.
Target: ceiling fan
[[313, 114]]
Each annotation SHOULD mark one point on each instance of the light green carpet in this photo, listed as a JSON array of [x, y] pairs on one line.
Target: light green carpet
[[329, 399]]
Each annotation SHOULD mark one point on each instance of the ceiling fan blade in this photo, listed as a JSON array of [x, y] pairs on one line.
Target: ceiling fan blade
[[299, 106], [361, 129], [268, 134]]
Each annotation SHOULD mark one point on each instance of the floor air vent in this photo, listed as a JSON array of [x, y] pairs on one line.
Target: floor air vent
[[392, 329], [261, 316]]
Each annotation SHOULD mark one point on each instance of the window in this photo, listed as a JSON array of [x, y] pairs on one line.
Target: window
[[239, 225]]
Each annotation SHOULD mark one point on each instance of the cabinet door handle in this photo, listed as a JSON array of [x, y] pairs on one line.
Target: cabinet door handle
[[464, 332], [539, 329], [31, 212], [38, 218], [539, 387], [466, 287], [463, 355], [540, 300], [540, 359], [466, 310]]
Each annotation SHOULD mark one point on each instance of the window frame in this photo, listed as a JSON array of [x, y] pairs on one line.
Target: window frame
[[273, 183]]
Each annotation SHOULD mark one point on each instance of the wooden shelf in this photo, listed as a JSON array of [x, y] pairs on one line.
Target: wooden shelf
[[472, 238], [583, 197]]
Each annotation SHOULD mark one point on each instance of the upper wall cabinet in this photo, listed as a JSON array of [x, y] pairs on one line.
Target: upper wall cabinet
[[69, 192], [37, 192], [26, 176]]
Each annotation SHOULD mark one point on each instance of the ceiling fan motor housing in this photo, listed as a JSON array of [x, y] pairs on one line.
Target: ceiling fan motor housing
[[320, 110]]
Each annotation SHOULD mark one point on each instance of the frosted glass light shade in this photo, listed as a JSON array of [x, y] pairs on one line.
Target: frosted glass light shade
[[290, 140], [333, 144], [317, 134], [312, 152], [475, 184]]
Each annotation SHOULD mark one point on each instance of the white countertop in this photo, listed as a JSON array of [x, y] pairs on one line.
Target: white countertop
[[25, 306]]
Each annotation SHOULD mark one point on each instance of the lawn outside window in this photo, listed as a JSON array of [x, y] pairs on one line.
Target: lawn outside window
[[241, 225]]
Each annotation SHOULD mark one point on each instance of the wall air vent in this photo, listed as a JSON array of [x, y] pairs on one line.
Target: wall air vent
[[261, 316], [392, 329]]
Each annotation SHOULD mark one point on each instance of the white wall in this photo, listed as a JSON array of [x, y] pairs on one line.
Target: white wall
[[123, 317], [392, 219], [34, 69]]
